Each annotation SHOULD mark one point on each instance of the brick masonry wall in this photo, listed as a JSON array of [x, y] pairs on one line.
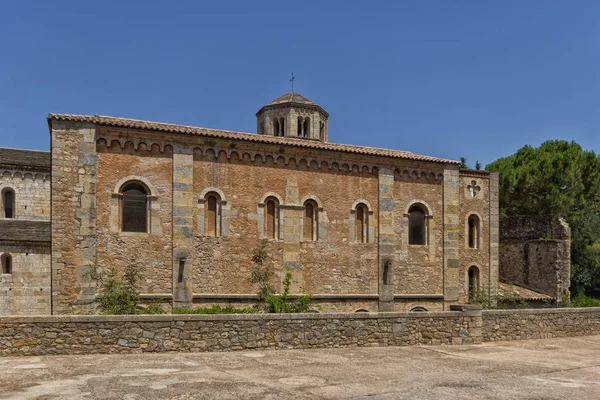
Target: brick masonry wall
[[195, 333], [539, 323], [182, 264]]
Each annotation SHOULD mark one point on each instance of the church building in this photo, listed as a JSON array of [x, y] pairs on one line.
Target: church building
[[359, 228]]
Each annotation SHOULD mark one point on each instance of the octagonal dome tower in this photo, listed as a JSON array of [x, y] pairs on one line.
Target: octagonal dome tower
[[293, 115]]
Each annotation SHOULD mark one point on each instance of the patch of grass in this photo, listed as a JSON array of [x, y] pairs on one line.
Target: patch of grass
[[216, 310], [583, 300]]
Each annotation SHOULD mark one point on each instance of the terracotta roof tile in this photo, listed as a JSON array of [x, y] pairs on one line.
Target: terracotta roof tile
[[292, 97], [250, 137], [521, 292]]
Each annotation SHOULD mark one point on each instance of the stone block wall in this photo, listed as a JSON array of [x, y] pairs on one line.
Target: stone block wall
[[27, 290], [540, 323], [32, 192], [535, 253], [196, 333]]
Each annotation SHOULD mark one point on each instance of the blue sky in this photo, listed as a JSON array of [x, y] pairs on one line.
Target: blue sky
[[477, 79]]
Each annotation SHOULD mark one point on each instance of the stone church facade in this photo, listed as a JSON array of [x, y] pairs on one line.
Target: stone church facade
[[359, 228]]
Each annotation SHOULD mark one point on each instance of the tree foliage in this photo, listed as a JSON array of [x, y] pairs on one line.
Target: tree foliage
[[558, 178]]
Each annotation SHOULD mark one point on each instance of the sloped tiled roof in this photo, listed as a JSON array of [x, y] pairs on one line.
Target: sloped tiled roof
[[24, 158], [250, 137], [26, 231], [521, 292], [292, 97]]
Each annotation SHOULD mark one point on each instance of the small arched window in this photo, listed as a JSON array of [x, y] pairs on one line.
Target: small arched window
[[134, 208], [361, 224], [282, 127], [6, 264], [306, 127], [212, 214], [417, 227], [310, 220], [8, 203], [473, 233], [276, 127], [473, 278], [271, 218], [300, 130]]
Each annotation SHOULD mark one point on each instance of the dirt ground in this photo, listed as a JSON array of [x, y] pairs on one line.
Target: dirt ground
[[567, 368]]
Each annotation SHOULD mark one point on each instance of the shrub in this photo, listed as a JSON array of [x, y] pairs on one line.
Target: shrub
[[120, 294], [582, 300]]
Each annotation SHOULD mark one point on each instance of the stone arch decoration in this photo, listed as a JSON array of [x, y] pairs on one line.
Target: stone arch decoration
[[270, 194], [423, 203], [212, 189], [362, 310], [313, 198], [132, 178], [363, 201], [419, 309]]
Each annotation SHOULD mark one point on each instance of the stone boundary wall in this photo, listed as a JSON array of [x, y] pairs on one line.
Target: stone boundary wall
[[501, 325], [195, 333]]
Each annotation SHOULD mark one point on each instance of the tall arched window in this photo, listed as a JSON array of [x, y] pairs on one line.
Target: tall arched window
[[6, 264], [361, 224], [134, 208], [300, 127], [310, 220], [212, 214], [8, 203], [281, 127], [271, 218], [276, 128], [473, 277], [473, 234], [417, 227], [306, 127]]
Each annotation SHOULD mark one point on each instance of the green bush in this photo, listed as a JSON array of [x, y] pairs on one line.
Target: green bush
[[216, 310], [582, 300], [120, 294]]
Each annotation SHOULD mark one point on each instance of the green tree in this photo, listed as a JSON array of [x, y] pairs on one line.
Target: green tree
[[463, 163], [477, 165], [558, 178]]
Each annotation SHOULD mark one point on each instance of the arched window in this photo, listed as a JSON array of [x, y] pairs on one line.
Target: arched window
[[473, 239], [212, 213], [276, 128], [282, 127], [134, 208], [6, 264], [306, 128], [417, 227], [310, 220], [361, 224], [321, 130], [473, 277], [271, 218], [300, 130], [8, 203]]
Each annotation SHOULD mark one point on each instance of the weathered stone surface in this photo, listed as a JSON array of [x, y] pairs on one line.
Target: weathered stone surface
[[535, 253], [136, 334], [539, 324]]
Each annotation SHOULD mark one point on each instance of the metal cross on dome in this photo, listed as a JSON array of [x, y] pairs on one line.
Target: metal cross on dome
[[473, 188], [293, 79]]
